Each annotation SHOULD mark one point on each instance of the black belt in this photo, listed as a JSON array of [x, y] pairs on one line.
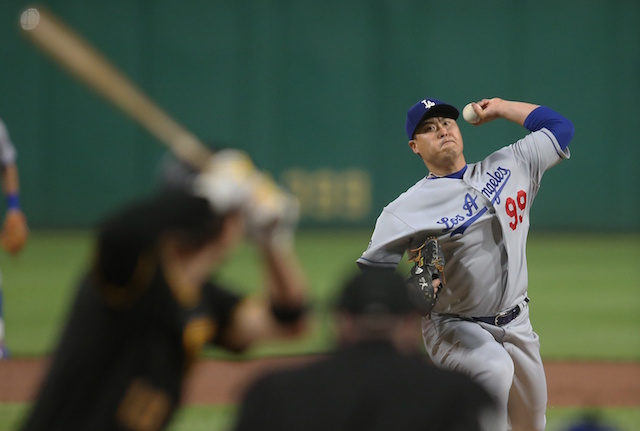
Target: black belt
[[504, 317]]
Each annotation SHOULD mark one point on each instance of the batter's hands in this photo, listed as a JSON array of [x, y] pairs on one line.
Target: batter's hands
[[228, 180], [15, 232], [231, 181]]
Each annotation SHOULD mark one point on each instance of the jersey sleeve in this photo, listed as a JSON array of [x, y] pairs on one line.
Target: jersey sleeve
[[561, 128], [389, 241], [541, 151], [219, 303], [7, 150]]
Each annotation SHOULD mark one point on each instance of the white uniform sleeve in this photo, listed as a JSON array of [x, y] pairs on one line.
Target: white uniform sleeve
[[7, 150], [541, 151], [390, 239]]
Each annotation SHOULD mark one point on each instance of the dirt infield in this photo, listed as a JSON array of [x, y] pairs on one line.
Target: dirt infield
[[571, 384]]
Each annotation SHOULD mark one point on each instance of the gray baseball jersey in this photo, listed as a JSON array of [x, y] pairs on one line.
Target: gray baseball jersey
[[481, 220]]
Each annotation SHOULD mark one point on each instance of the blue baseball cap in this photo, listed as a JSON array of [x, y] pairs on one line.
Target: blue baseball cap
[[427, 108]]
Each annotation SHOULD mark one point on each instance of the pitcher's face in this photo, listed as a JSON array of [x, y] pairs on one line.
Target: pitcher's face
[[438, 141]]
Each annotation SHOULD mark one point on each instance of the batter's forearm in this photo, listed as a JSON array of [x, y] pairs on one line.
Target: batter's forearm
[[11, 186], [10, 183], [286, 283], [281, 314]]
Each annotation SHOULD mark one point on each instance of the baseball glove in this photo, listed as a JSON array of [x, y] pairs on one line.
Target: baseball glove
[[14, 232], [426, 278]]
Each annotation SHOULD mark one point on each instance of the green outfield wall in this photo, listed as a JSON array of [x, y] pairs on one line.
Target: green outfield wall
[[317, 92]]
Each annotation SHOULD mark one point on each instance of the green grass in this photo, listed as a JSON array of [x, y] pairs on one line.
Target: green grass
[[585, 293], [221, 418], [210, 418], [585, 290], [37, 287], [11, 415]]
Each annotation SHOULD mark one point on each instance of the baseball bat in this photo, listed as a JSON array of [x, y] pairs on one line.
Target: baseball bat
[[87, 64]]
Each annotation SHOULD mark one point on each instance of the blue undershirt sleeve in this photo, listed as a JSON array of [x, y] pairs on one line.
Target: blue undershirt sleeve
[[543, 117]]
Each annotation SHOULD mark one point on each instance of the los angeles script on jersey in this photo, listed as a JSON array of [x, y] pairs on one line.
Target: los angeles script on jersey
[[470, 208]]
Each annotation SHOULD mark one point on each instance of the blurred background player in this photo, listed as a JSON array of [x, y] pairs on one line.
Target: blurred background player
[[14, 231], [148, 303], [375, 380]]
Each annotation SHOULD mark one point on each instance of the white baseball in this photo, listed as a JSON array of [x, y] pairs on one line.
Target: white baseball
[[469, 114]]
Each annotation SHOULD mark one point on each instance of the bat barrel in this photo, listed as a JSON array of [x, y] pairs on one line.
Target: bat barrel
[[80, 59]]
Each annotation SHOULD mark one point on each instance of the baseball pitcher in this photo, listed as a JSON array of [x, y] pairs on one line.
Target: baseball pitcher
[[477, 321]]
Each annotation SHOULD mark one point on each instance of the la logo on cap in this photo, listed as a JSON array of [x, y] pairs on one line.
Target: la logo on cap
[[428, 103]]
